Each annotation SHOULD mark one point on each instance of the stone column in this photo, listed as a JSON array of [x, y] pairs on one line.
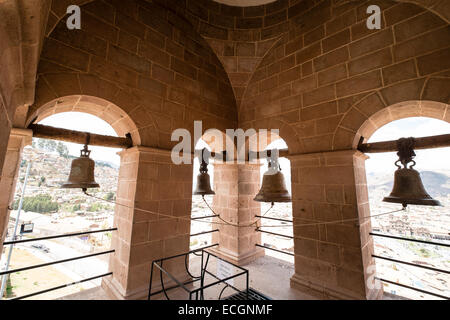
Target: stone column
[[18, 139], [236, 185], [149, 180], [332, 260]]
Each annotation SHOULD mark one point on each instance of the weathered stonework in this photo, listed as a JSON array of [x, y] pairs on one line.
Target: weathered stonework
[[17, 141]]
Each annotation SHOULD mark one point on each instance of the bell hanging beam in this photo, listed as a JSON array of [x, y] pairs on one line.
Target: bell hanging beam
[[408, 187], [440, 141], [47, 132]]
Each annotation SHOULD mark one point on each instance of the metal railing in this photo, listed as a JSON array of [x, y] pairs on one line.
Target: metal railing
[[412, 288], [280, 251], [204, 232], [273, 233], [409, 239], [195, 293], [410, 263], [276, 219], [205, 217], [58, 236], [4, 273]]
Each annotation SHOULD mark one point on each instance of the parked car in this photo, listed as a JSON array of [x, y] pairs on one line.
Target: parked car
[[41, 247]]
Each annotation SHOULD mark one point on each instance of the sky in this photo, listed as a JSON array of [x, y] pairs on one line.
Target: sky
[[85, 122], [433, 159]]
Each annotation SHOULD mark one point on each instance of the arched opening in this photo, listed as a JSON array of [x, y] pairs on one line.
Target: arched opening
[[200, 209], [49, 211], [423, 223], [282, 210]]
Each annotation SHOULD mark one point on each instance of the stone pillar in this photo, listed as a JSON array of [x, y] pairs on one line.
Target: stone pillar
[[332, 260], [236, 185], [149, 180], [18, 139]]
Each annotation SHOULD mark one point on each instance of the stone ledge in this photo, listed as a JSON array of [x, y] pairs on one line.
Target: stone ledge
[[238, 259], [324, 293]]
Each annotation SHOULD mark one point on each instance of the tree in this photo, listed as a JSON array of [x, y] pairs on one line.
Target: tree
[[62, 149], [42, 203], [110, 196]]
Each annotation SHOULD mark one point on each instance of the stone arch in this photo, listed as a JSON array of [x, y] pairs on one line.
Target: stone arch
[[103, 109], [286, 132], [422, 97]]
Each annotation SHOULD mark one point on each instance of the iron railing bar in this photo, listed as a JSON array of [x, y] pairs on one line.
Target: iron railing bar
[[412, 288], [205, 217], [55, 262], [220, 281], [205, 232], [281, 251], [214, 276], [180, 284], [411, 264], [234, 265], [276, 219], [275, 234], [58, 236], [174, 287], [407, 239], [61, 287], [182, 254]]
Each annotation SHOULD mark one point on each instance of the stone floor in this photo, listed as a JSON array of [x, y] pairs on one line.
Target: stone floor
[[268, 275]]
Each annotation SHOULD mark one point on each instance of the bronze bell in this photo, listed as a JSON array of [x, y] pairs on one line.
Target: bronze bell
[[273, 188], [82, 172], [203, 180], [408, 187]]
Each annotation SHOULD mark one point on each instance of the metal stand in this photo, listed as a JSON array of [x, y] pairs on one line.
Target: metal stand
[[198, 292]]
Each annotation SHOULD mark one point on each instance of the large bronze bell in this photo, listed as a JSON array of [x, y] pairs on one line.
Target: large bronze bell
[[408, 187], [273, 188], [82, 172], [203, 180]]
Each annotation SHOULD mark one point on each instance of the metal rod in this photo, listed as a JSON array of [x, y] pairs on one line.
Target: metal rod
[[407, 239], [439, 141], [56, 262], [180, 284], [205, 232], [275, 234], [46, 132], [173, 287], [280, 251], [276, 219], [411, 264], [412, 288], [282, 153], [221, 280], [205, 217], [58, 236], [182, 254], [3, 285], [62, 286]]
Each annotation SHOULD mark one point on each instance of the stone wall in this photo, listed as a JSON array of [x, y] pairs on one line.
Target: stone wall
[[331, 73]]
